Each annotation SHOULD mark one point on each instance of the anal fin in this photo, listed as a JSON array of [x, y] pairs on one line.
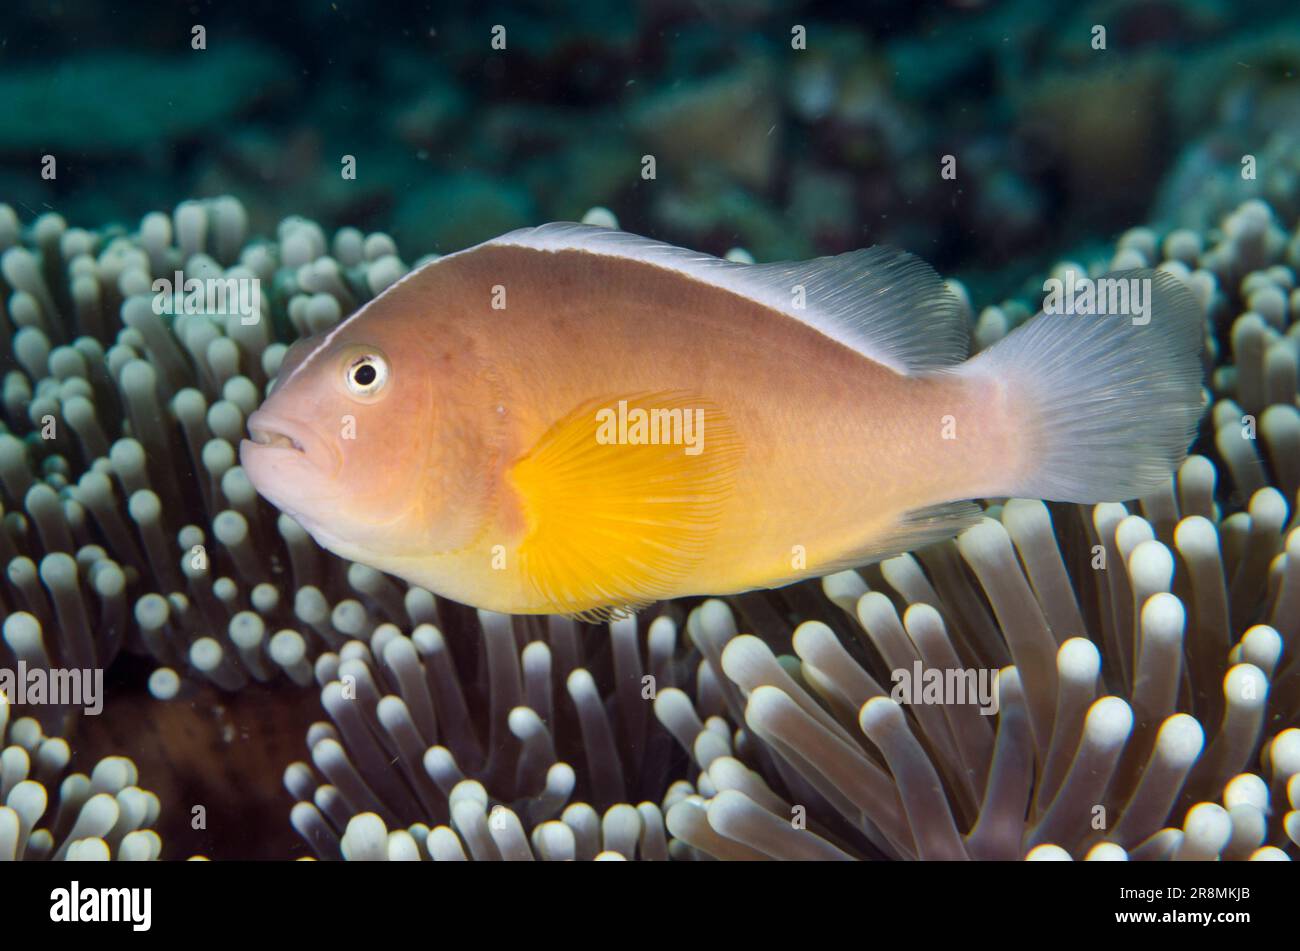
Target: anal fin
[[916, 529]]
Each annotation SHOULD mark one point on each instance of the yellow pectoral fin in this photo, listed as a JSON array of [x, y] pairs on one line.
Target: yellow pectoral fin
[[622, 498]]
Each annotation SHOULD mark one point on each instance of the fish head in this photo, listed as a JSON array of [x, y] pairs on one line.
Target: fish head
[[364, 440]]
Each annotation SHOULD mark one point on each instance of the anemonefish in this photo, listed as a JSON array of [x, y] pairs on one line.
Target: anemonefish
[[571, 419]]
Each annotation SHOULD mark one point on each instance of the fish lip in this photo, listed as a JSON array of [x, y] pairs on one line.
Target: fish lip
[[276, 434], [270, 432], [272, 439]]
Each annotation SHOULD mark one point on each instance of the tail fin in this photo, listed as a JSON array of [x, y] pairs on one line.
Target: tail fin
[[1109, 401]]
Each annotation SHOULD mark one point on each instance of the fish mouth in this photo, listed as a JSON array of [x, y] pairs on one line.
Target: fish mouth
[[289, 442], [267, 438]]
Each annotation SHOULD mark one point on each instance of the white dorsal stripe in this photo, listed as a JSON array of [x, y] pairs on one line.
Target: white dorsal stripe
[[886, 304]]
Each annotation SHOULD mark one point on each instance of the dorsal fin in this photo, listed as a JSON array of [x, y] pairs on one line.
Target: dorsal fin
[[884, 303]]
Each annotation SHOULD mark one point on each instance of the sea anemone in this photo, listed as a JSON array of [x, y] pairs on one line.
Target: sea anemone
[[129, 522], [1098, 741], [432, 756], [1145, 654], [97, 817]]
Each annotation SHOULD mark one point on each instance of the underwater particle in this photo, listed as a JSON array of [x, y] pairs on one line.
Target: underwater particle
[[730, 120]]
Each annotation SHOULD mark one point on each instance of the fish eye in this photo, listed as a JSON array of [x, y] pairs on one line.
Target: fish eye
[[365, 375]]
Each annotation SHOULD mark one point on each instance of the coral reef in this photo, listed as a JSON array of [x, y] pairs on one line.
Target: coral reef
[[76, 105], [749, 111]]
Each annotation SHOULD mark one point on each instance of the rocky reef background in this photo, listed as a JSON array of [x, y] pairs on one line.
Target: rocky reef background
[[789, 152], [228, 159]]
